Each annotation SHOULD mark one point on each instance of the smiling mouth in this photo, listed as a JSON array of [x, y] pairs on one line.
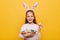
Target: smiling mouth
[[30, 19]]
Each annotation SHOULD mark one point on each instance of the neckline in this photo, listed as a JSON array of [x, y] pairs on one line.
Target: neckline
[[30, 24]]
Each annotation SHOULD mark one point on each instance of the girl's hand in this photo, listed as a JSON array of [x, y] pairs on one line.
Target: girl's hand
[[29, 34], [23, 33]]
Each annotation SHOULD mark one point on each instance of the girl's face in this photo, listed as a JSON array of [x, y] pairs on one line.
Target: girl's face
[[30, 17]]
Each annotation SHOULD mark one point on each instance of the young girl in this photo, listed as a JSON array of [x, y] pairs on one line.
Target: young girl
[[30, 30]]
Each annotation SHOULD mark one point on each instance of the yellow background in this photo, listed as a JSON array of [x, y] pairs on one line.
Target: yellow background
[[12, 15]]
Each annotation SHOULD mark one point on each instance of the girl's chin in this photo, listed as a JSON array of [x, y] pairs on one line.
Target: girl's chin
[[30, 22]]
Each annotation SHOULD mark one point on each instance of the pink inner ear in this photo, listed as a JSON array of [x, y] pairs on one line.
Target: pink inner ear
[[35, 5], [25, 5]]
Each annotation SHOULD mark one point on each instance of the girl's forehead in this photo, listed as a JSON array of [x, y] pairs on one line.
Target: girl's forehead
[[29, 13]]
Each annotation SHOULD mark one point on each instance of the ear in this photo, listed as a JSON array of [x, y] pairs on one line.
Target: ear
[[25, 5], [34, 6]]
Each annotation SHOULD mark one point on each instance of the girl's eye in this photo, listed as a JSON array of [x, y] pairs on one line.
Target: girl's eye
[[27, 16], [31, 16]]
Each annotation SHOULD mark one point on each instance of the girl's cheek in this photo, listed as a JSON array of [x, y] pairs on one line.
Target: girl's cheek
[[32, 18], [27, 18]]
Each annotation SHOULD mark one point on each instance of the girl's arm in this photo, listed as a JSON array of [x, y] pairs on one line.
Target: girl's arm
[[28, 34], [40, 26]]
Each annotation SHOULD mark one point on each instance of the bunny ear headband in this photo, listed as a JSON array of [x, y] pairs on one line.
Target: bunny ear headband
[[33, 7]]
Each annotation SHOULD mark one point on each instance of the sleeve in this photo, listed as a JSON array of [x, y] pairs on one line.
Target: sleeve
[[38, 36], [22, 29], [38, 33], [38, 27], [37, 30]]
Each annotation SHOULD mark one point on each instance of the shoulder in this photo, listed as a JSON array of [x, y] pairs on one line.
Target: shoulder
[[24, 25], [36, 25]]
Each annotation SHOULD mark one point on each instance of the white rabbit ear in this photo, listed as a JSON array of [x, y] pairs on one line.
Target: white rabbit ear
[[25, 5], [34, 6]]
